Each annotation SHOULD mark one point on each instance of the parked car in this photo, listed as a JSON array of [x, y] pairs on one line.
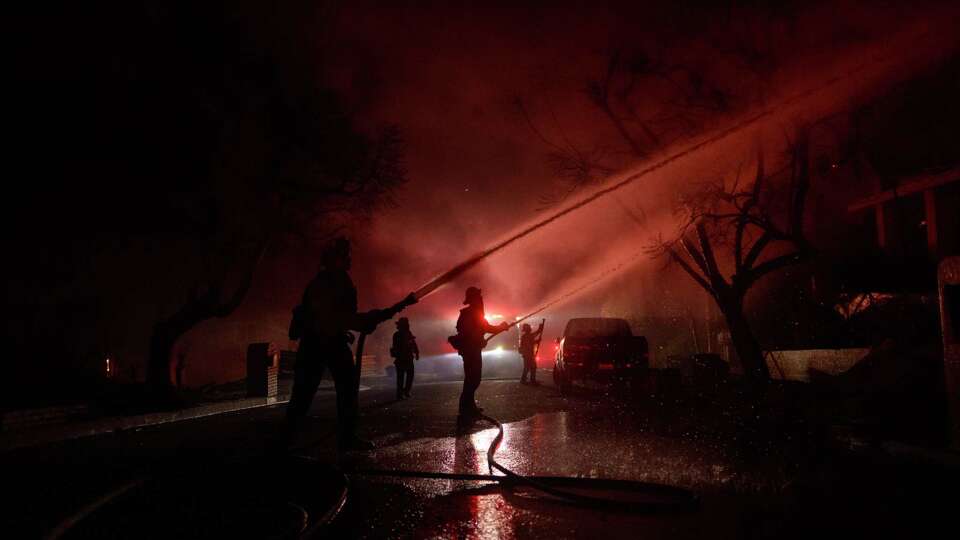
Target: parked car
[[599, 348]]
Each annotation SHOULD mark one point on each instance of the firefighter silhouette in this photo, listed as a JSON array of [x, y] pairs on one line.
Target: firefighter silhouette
[[404, 351], [528, 342], [472, 325], [322, 323]]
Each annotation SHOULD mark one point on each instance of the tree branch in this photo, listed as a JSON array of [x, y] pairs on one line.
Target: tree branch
[[226, 308], [693, 273], [526, 117], [802, 185], [773, 264], [756, 249], [709, 258], [694, 254], [601, 95]]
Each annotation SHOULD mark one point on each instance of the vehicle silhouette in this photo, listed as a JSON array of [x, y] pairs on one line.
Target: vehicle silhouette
[[601, 349]]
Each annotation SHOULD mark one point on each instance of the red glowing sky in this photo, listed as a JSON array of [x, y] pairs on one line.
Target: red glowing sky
[[449, 78], [126, 108]]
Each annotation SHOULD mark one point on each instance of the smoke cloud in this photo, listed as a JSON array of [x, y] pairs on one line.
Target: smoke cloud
[[449, 77]]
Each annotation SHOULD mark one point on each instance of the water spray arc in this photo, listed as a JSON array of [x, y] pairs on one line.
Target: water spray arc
[[565, 296], [434, 284], [656, 498], [573, 292], [670, 498]]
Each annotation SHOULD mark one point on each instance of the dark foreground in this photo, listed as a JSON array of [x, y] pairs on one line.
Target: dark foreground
[[216, 477]]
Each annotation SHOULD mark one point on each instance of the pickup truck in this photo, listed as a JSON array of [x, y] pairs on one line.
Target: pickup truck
[[599, 348]]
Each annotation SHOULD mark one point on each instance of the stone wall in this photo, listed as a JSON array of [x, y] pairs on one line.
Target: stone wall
[[793, 365]]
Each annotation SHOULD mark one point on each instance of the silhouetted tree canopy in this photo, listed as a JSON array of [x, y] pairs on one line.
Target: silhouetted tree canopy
[[200, 133]]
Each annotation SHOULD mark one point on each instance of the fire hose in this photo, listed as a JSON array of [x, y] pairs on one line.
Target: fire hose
[[686, 500], [661, 498]]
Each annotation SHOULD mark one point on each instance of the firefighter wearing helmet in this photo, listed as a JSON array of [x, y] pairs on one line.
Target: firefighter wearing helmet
[[404, 351], [323, 323], [528, 343], [472, 326]]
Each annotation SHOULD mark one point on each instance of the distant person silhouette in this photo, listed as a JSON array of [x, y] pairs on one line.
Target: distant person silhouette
[[322, 322], [404, 350], [528, 341], [471, 327]]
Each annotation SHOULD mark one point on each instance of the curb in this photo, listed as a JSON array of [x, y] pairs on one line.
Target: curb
[[13, 440], [45, 435]]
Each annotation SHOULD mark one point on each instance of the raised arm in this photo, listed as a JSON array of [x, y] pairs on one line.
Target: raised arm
[[367, 322], [491, 328], [539, 332]]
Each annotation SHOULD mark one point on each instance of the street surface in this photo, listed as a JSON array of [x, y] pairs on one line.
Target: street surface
[[749, 488]]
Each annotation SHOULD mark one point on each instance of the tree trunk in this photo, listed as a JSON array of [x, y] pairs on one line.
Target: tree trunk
[[198, 308], [693, 332], [164, 337], [744, 342]]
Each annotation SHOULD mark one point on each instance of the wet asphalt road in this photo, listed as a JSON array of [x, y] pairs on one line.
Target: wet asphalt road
[[594, 433], [749, 488]]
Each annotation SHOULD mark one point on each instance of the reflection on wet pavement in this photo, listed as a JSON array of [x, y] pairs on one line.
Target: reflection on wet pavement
[[562, 444]]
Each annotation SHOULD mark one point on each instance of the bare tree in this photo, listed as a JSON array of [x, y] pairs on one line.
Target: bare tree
[[258, 151], [683, 97], [314, 198], [652, 101], [761, 227]]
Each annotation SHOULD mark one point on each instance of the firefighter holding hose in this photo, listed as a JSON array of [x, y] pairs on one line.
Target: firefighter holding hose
[[470, 340], [529, 340], [322, 322]]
